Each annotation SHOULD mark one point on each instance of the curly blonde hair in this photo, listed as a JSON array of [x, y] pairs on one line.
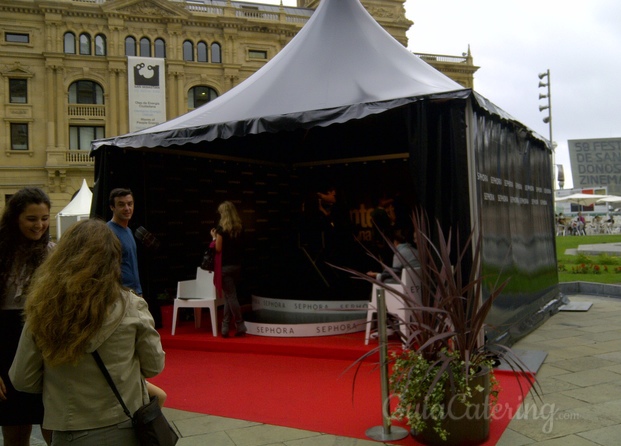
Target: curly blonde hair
[[229, 219], [72, 291]]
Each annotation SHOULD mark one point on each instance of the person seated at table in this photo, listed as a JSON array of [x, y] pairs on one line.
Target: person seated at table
[[579, 225]]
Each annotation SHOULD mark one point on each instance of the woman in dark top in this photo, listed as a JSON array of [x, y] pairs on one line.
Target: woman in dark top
[[229, 246], [24, 244]]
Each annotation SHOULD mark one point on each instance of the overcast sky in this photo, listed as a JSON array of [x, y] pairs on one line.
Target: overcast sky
[[513, 41]]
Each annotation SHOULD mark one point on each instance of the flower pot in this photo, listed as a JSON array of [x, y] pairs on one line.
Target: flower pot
[[466, 424]]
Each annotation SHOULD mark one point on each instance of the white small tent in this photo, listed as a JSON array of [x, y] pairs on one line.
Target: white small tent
[[78, 209]]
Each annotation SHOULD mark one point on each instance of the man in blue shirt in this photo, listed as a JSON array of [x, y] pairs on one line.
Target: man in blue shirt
[[122, 206]]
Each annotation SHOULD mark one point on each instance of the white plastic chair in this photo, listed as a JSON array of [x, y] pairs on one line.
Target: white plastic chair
[[394, 304], [198, 293], [608, 228]]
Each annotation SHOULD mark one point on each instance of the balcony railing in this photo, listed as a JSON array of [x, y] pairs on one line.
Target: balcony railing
[[239, 11], [86, 111], [442, 58], [78, 157], [206, 9], [256, 15]]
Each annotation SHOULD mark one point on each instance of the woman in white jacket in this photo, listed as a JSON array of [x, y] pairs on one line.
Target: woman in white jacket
[[76, 305]]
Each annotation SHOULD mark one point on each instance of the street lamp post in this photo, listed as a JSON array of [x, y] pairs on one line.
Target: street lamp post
[[548, 120], [548, 106]]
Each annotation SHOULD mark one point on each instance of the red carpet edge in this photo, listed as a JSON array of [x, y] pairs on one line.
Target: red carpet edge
[[303, 383]]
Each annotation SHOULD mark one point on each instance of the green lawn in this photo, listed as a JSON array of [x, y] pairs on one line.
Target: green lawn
[[601, 268]]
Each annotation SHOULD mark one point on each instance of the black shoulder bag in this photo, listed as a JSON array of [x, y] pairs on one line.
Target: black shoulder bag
[[150, 424], [209, 259]]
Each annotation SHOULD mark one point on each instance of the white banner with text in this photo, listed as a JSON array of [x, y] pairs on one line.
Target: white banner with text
[[147, 92]]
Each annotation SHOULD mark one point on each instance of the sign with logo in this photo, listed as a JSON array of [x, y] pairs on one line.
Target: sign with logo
[[596, 163], [147, 92]]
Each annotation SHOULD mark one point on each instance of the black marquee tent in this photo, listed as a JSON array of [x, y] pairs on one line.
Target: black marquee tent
[[342, 105]]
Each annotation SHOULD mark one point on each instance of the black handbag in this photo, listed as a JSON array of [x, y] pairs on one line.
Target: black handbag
[[209, 259], [150, 424]]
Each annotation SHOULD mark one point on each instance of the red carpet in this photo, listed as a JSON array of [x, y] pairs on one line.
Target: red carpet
[[295, 382]]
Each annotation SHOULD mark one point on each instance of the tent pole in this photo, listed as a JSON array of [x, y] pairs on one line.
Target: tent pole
[[475, 216]]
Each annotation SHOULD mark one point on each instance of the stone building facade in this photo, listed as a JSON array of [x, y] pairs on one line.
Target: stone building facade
[[64, 71]]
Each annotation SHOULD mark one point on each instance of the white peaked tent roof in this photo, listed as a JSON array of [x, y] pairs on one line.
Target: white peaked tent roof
[[342, 65], [81, 203]]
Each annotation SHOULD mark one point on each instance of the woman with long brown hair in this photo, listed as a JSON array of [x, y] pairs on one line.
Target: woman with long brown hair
[[229, 247], [76, 305], [24, 244]]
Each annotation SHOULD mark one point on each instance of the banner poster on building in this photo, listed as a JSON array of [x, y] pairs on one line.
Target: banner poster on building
[[596, 163], [147, 92]]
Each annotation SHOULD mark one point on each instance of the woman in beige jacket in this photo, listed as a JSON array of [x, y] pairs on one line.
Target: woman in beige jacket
[[75, 306]]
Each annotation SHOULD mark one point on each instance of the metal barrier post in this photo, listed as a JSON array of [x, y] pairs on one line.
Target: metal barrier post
[[386, 432]]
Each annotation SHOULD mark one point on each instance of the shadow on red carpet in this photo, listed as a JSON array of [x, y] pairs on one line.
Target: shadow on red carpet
[[303, 383]]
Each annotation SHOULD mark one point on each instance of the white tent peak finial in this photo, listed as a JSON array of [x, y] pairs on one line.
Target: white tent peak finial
[[78, 208], [81, 202]]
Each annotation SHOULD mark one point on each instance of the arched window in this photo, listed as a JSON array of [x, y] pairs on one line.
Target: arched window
[[200, 95], [188, 51], [145, 47], [160, 48], [216, 53], [201, 52], [130, 46], [69, 45], [85, 92], [100, 45], [85, 44]]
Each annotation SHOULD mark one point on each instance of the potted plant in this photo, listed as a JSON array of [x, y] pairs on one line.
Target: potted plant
[[442, 377]]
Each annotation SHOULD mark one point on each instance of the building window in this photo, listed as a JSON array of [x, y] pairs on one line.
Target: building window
[[257, 54], [130, 46], [18, 91], [100, 45], [188, 51], [19, 136], [216, 53], [85, 44], [85, 92], [160, 48], [17, 37], [201, 52], [145, 47], [200, 95], [69, 46], [81, 137]]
